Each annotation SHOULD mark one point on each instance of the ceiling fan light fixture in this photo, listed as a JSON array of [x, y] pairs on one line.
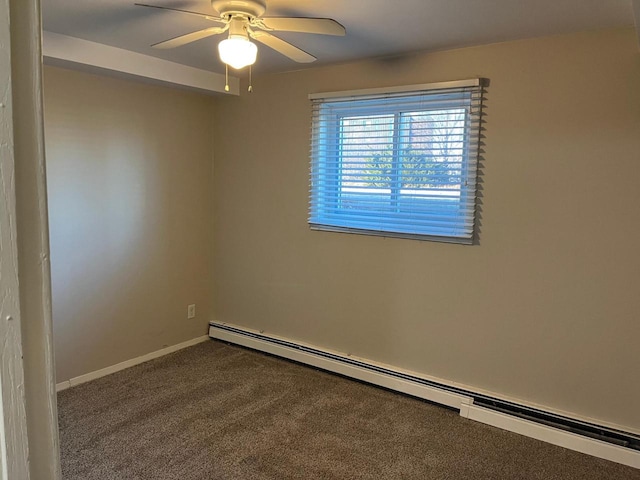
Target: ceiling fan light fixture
[[238, 51]]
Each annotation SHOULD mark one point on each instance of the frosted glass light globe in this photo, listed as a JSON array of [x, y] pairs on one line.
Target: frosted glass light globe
[[237, 51]]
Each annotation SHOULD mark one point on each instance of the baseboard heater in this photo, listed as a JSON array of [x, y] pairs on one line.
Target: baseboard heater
[[601, 441]]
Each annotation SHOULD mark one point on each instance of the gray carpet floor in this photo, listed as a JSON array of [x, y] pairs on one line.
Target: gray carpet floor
[[216, 411]]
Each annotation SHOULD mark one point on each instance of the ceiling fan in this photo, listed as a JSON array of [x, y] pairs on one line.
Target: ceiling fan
[[243, 20]]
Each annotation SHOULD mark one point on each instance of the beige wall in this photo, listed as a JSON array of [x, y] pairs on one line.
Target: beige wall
[[545, 309], [129, 175]]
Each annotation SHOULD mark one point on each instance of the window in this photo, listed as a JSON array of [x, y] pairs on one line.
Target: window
[[400, 162]]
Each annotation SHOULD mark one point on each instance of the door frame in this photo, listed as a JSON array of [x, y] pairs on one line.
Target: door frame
[[14, 446], [29, 445]]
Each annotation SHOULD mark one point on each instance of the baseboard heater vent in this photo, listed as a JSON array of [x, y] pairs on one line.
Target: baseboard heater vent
[[332, 362], [597, 432]]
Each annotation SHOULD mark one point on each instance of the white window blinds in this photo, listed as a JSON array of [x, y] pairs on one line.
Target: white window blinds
[[398, 163]]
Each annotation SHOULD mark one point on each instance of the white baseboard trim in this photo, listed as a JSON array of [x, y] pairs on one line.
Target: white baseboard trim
[[63, 385], [342, 365], [87, 377]]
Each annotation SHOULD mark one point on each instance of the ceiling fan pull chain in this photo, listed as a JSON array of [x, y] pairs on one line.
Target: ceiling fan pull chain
[[226, 77], [250, 89]]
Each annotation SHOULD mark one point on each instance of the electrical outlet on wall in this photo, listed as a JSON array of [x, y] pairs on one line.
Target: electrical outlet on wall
[[191, 311]]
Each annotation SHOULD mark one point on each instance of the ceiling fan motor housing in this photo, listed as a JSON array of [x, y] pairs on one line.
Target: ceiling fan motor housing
[[251, 8]]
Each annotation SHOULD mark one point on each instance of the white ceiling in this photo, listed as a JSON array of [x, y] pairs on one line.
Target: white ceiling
[[374, 27]]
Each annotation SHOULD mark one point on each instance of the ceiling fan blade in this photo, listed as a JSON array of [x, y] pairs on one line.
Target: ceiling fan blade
[[201, 15], [323, 26], [280, 46], [190, 37]]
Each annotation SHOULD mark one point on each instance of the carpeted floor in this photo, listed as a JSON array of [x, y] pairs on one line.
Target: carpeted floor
[[216, 411]]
